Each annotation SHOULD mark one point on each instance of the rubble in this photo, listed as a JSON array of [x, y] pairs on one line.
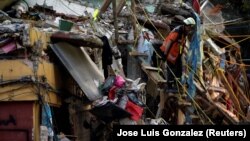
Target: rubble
[[213, 88]]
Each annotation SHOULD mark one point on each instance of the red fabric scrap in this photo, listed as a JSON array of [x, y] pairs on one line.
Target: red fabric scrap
[[135, 110], [196, 6], [112, 91]]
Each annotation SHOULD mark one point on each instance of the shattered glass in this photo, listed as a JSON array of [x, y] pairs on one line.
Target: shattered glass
[[211, 16]]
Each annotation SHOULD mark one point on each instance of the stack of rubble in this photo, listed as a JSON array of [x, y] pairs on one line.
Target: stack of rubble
[[215, 88], [219, 91]]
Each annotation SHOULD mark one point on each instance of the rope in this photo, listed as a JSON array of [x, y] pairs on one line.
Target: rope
[[195, 104]]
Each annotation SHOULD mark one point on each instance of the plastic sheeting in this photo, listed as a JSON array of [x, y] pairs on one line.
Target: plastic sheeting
[[81, 67], [212, 17]]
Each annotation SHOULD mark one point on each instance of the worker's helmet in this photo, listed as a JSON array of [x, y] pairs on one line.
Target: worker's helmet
[[189, 21]]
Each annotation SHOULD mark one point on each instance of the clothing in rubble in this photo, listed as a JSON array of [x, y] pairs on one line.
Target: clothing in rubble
[[106, 55]]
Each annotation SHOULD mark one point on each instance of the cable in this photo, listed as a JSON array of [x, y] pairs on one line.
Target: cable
[[237, 42], [227, 22], [172, 71], [227, 46], [230, 62]]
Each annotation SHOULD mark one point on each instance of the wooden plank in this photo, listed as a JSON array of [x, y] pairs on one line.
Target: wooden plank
[[76, 39], [152, 68], [115, 20], [151, 88], [174, 10], [120, 6], [133, 18], [153, 74], [152, 23], [105, 5]]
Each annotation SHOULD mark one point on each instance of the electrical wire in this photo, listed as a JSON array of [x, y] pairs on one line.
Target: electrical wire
[[236, 99], [225, 47], [195, 104]]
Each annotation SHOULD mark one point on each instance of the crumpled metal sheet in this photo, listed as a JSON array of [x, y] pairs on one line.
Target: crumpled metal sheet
[[63, 6], [81, 68]]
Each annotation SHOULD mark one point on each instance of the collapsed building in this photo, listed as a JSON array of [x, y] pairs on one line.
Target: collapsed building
[[67, 67]]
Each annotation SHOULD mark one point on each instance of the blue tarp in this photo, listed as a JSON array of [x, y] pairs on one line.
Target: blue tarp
[[194, 61]]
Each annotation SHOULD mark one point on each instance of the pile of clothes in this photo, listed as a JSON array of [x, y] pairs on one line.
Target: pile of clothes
[[121, 99]]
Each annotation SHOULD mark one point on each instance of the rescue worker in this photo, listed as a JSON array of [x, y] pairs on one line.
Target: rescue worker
[[172, 49]]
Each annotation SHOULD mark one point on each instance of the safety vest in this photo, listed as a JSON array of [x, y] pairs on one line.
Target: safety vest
[[178, 41]]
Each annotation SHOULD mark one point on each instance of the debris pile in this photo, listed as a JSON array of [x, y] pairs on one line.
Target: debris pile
[[213, 87], [128, 95]]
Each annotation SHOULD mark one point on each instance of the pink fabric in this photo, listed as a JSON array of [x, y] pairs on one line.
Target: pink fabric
[[9, 47], [119, 81]]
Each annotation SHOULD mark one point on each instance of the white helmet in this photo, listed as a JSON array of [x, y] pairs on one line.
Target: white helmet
[[189, 21]]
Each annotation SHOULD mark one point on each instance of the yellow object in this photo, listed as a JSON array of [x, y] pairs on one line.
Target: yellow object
[[95, 14], [16, 69], [37, 34], [36, 124]]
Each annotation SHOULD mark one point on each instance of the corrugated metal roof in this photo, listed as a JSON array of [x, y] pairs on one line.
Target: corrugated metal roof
[[81, 68]]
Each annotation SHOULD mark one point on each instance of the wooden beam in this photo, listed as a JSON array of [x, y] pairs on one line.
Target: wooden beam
[[135, 53], [77, 40], [115, 20], [154, 74], [152, 24], [172, 9], [120, 6], [105, 5], [133, 18]]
